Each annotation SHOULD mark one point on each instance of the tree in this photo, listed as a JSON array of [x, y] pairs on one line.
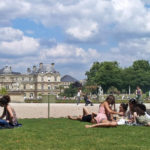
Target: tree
[[105, 74], [109, 74], [72, 90], [141, 65], [3, 91], [113, 90]]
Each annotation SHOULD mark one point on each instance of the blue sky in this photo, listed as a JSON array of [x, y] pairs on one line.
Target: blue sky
[[73, 34]]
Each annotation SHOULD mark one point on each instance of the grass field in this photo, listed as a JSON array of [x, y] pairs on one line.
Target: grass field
[[65, 134]]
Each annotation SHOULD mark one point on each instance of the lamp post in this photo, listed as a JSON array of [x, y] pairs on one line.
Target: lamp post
[[48, 106]]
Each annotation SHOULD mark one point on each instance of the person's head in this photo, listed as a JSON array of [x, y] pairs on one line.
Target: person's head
[[140, 109], [132, 103], [137, 87], [123, 107], [110, 99], [4, 100]]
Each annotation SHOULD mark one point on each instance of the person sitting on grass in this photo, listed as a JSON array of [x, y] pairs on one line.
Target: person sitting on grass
[[132, 105], [8, 112], [105, 111], [122, 110], [140, 115], [86, 117]]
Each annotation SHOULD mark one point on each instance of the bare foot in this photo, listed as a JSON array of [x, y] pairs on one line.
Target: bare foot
[[87, 126]]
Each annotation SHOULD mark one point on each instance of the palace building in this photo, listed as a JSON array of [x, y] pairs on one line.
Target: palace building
[[41, 80]]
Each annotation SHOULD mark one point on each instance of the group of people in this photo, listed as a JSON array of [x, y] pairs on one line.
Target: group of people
[[107, 115], [10, 120]]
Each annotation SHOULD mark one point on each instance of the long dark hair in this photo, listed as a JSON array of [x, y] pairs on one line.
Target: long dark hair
[[124, 106], [140, 109], [5, 100]]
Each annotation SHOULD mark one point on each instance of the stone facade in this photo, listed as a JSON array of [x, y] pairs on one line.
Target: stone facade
[[42, 80]]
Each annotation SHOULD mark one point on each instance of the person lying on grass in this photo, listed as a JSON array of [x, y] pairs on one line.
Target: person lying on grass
[[121, 121], [9, 112], [86, 117]]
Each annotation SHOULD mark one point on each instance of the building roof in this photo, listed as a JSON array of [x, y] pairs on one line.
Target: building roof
[[68, 78], [7, 70], [44, 68]]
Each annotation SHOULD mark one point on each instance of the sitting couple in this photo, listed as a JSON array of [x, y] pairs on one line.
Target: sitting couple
[[138, 113], [9, 113], [105, 115]]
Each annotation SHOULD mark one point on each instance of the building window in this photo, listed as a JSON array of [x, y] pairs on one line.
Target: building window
[[7, 87], [24, 86], [49, 79], [55, 78], [42, 79], [31, 86], [22, 78], [25, 95], [42, 87], [31, 95], [49, 87]]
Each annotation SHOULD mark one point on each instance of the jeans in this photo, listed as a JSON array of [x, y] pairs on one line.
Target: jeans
[[3, 122]]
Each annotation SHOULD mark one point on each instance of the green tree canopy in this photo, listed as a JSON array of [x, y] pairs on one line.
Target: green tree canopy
[[105, 74], [108, 74]]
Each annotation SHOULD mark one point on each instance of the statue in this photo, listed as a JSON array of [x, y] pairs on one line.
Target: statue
[[100, 94], [100, 91]]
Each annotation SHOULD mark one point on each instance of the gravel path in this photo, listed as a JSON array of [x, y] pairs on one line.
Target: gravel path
[[34, 110]]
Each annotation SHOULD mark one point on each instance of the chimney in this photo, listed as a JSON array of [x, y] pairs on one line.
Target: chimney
[[41, 65], [34, 68], [28, 70], [10, 69], [53, 64]]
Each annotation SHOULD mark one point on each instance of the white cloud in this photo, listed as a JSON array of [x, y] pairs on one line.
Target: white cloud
[[97, 21], [127, 15], [25, 46], [13, 42], [128, 51], [9, 34], [11, 9], [84, 30], [64, 53]]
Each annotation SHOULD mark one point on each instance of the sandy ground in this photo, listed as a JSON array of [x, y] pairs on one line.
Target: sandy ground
[[34, 110]]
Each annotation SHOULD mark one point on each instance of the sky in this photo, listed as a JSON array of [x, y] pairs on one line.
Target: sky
[[73, 33]]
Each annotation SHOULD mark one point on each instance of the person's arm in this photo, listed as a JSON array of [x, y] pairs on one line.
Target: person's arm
[[107, 107], [134, 116], [136, 92], [9, 109]]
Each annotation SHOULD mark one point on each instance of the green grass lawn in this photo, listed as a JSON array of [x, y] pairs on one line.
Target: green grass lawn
[[65, 134]]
